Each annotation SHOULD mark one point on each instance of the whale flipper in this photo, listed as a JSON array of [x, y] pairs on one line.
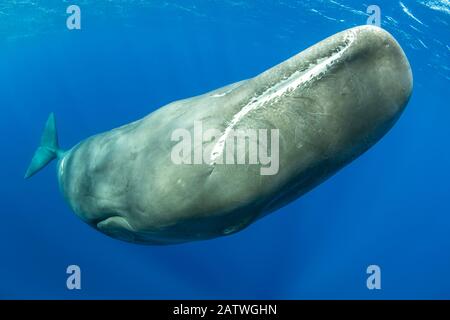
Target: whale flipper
[[117, 227], [47, 150]]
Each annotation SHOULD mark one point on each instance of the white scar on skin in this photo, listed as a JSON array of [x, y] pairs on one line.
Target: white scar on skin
[[217, 95], [280, 89]]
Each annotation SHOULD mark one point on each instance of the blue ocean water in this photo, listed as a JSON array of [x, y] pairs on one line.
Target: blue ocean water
[[390, 207]]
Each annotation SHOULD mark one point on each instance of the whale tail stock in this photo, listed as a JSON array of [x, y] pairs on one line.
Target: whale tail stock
[[47, 150]]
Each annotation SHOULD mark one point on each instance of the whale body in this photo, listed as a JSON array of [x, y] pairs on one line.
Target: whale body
[[329, 103]]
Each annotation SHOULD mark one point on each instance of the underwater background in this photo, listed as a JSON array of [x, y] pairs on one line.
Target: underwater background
[[390, 207]]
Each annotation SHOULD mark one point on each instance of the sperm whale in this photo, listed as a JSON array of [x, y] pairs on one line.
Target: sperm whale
[[325, 106]]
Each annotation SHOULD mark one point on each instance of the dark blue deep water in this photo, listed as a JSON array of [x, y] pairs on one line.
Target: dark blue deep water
[[390, 207]]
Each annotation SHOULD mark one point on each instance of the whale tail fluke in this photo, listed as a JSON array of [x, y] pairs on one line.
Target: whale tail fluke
[[47, 150]]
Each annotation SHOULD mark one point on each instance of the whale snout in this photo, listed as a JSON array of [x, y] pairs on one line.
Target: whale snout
[[389, 66]]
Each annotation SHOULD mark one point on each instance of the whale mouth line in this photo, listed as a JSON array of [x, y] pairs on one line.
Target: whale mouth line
[[285, 86]]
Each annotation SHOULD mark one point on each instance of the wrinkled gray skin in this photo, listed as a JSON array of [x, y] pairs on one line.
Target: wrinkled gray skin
[[124, 183]]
